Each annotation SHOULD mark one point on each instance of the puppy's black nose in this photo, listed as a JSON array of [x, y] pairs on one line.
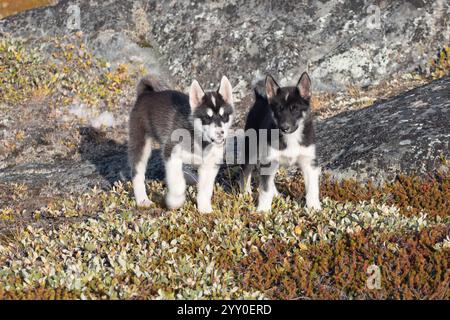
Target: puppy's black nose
[[285, 127]]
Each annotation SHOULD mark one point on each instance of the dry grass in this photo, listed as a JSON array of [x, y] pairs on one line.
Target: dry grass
[[326, 104]]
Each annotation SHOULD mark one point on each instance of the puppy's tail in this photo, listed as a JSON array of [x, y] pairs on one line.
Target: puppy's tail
[[259, 86], [151, 83]]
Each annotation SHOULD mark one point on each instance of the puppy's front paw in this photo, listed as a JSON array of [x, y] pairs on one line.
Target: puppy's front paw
[[276, 193], [174, 201], [245, 188], [313, 204], [204, 206], [144, 203], [264, 207], [265, 202]]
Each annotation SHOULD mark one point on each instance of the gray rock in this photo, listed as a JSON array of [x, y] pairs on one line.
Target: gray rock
[[114, 30], [408, 134], [339, 42]]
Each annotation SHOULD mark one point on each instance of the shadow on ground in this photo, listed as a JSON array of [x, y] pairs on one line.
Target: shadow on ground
[[110, 158]]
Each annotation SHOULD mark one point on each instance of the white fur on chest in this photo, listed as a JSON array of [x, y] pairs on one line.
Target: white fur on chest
[[292, 154], [212, 155], [294, 150]]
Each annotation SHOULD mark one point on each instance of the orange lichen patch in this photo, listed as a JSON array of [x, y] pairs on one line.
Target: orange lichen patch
[[410, 193], [408, 267], [10, 7]]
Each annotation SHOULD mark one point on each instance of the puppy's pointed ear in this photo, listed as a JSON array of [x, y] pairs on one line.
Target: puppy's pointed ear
[[226, 90], [272, 87], [304, 86], [196, 95]]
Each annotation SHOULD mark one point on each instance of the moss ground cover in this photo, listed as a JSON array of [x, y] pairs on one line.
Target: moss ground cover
[[117, 251], [71, 73]]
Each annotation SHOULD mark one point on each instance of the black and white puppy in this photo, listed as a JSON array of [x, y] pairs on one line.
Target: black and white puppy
[[180, 124], [282, 121]]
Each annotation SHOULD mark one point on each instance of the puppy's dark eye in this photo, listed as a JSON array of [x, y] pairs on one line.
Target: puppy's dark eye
[[275, 106], [206, 120], [225, 117], [293, 107]]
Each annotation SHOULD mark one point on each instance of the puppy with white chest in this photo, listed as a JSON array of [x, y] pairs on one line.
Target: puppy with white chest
[[181, 125], [282, 121]]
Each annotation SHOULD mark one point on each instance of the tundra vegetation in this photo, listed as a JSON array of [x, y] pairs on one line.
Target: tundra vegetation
[[98, 245]]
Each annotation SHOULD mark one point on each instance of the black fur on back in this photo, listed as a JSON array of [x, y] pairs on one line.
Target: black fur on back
[[157, 115], [151, 82]]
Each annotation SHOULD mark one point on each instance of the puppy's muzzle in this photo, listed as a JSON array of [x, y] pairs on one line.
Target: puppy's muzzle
[[219, 136], [287, 128]]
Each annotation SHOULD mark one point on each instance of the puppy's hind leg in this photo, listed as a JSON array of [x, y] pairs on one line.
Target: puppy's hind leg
[[176, 184], [267, 189], [206, 176], [250, 160], [139, 151], [245, 181], [311, 175]]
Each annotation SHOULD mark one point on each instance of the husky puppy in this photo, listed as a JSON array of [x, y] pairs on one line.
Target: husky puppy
[[282, 121], [180, 124]]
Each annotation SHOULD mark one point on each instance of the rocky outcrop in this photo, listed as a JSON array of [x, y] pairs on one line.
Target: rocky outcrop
[[340, 42], [408, 134]]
